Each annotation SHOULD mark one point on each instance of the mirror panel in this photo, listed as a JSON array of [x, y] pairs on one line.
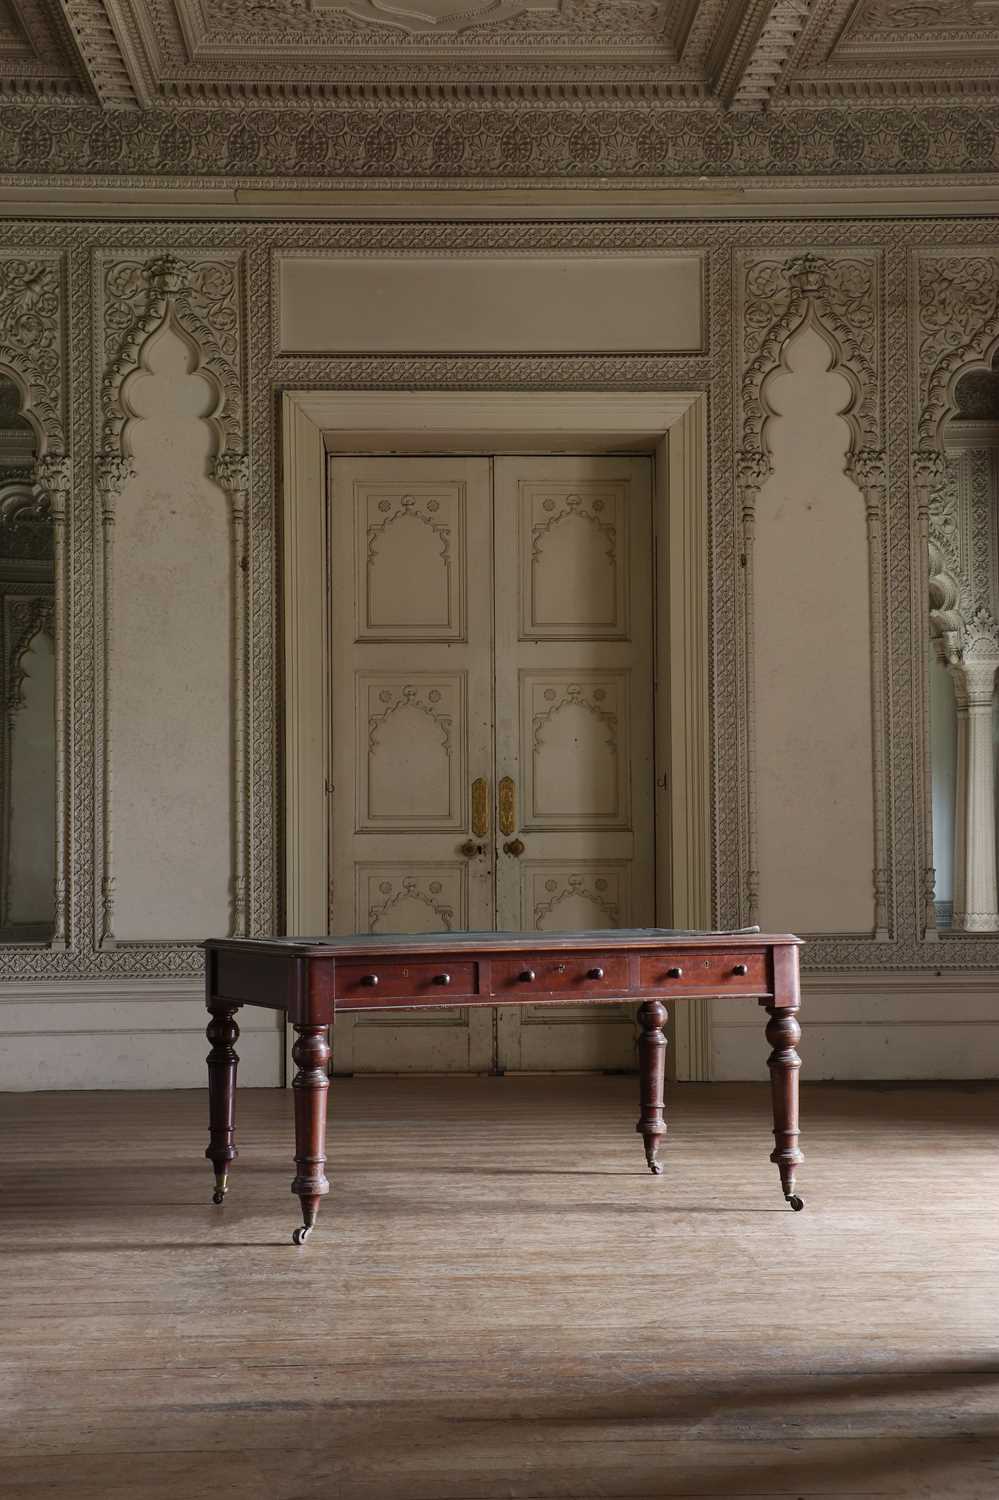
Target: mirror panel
[[27, 667], [963, 661]]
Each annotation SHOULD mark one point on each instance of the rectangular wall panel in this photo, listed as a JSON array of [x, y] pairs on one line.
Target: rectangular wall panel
[[490, 304]]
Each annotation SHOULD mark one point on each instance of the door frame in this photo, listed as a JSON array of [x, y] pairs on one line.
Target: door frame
[[671, 425]]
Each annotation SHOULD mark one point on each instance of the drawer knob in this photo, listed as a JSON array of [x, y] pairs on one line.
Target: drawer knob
[[442, 979], [676, 973], [740, 969], [527, 976], [594, 973], [369, 979]]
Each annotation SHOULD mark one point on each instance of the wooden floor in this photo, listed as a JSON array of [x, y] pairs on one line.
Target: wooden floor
[[499, 1301]]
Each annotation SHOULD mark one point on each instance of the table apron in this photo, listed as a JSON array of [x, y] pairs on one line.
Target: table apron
[[538, 997]]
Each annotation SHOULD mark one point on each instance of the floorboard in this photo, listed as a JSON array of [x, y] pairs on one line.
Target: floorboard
[[499, 1300]]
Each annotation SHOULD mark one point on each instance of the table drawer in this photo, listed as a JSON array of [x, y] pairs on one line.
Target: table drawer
[[739, 972], [582, 973], [379, 979]]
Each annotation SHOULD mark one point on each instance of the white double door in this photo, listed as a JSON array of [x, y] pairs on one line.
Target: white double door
[[492, 758]]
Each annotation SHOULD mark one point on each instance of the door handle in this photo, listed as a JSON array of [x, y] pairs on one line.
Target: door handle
[[471, 850], [480, 808], [507, 808], [515, 847]]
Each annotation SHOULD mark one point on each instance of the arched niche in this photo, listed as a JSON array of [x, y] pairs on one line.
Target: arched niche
[[964, 608], [812, 648], [169, 585], [29, 857]]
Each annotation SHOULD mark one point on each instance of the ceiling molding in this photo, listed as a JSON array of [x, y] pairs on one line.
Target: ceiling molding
[[436, 142], [751, 50], [745, 55], [91, 25]]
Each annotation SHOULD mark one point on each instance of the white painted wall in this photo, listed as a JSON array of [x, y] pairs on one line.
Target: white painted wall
[[171, 662], [863, 1026], [812, 648], [114, 1034], [172, 754]]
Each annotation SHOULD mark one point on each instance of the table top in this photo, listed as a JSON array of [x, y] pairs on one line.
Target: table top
[[364, 944]]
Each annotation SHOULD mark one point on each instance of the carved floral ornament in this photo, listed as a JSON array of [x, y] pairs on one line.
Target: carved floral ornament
[[837, 296], [957, 331], [509, 139], [31, 341], [202, 298], [29, 618]]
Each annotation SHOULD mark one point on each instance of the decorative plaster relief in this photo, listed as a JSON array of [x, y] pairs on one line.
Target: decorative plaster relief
[[838, 296], [495, 139], [188, 33], [913, 18], [420, 898], [902, 242], [31, 339], [956, 315], [586, 894], [437, 15], [200, 299], [171, 726], [203, 296]]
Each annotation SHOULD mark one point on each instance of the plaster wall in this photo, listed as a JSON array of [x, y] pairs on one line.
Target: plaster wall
[[170, 739], [192, 787], [812, 647], [484, 303]]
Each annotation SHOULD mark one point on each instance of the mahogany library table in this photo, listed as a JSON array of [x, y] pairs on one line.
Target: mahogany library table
[[312, 979]]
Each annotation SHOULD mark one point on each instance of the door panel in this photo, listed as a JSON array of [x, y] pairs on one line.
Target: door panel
[[574, 726], [491, 628], [411, 623]]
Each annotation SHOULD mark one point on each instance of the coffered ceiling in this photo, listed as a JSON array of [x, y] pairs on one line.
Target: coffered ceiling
[[737, 54]]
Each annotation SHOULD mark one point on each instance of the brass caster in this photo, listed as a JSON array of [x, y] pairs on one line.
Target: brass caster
[[796, 1203], [221, 1186], [218, 1197], [656, 1168], [301, 1234]]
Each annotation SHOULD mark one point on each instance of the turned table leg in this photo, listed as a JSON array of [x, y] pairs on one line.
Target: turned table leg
[[652, 1016], [311, 1053], [783, 1034], [223, 1033]]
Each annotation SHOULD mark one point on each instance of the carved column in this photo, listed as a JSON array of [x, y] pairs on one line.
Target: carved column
[[112, 472], [54, 478], [231, 473], [753, 469], [868, 468], [976, 901], [927, 470]]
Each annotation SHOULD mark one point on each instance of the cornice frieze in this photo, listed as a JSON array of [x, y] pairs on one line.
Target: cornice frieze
[[571, 139]]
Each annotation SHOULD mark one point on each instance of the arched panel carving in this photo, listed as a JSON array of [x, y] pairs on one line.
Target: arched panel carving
[[200, 298], [32, 357], [837, 295], [955, 302]]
